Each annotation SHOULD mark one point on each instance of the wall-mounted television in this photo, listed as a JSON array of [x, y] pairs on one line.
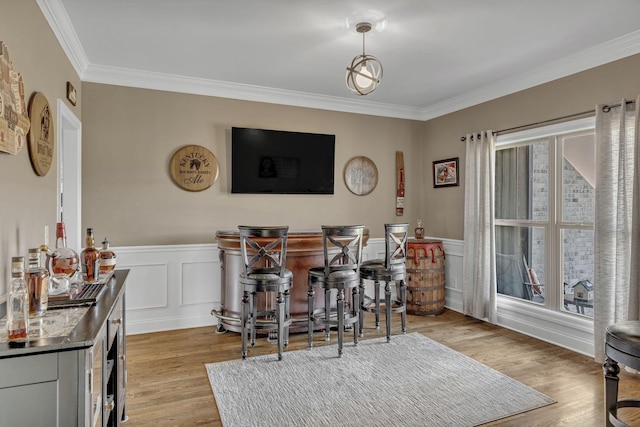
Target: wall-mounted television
[[280, 162]]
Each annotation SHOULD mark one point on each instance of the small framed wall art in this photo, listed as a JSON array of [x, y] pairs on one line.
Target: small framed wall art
[[72, 96], [445, 173]]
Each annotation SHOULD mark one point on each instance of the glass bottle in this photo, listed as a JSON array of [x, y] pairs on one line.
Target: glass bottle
[[419, 231], [89, 258], [18, 304], [37, 278], [64, 263], [107, 259]]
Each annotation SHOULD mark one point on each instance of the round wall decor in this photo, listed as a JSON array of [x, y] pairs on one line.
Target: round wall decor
[[41, 136], [361, 175], [193, 168]]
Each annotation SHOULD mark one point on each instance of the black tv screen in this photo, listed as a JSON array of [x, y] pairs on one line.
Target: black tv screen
[[280, 162]]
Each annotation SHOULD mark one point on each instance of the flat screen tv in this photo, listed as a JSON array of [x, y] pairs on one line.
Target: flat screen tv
[[281, 162]]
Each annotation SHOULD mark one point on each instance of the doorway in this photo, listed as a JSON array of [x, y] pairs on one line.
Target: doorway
[[69, 187]]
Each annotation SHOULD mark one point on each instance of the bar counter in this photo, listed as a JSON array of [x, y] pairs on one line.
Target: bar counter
[[304, 251]]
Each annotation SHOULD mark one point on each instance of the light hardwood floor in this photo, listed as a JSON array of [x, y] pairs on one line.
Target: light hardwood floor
[[168, 384]]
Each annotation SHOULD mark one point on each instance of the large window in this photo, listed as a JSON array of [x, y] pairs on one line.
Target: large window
[[545, 192]]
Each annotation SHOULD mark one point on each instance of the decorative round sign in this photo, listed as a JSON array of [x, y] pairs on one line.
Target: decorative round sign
[[193, 168], [361, 175], [41, 136]]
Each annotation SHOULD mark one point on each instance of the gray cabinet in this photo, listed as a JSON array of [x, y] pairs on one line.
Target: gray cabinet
[[78, 380]]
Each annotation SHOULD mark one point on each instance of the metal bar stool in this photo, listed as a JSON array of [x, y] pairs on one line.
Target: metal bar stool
[[622, 345], [264, 253], [391, 269], [342, 246]]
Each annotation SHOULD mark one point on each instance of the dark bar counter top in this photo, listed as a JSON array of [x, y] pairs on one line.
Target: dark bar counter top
[[88, 323]]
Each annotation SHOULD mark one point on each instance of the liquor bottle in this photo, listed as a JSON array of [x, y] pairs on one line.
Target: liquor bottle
[[89, 258], [64, 263], [107, 259], [18, 304], [419, 231], [37, 278]]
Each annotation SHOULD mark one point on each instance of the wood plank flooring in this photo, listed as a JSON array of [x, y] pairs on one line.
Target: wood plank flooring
[[168, 384]]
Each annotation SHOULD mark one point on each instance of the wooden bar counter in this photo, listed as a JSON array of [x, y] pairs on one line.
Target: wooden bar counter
[[304, 251]]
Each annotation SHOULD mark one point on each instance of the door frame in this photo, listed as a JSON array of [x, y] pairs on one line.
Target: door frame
[[69, 172]]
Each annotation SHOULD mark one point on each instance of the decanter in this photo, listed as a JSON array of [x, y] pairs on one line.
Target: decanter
[[107, 259], [64, 263], [18, 304], [419, 231], [89, 258], [37, 278]]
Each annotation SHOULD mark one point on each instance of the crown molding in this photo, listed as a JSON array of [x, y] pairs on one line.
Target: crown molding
[[197, 86], [58, 19], [601, 54]]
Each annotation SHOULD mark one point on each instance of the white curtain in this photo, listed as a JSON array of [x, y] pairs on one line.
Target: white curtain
[[478, 265], [617, 219]]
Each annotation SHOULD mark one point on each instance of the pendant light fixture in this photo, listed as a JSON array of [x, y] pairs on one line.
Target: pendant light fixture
[[365, 72]]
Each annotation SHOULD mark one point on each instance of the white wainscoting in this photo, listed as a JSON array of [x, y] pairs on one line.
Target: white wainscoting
[[177, 286], [562, 329], [170, 287]]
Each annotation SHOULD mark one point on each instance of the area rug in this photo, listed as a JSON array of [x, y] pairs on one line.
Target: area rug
[[410, 381]]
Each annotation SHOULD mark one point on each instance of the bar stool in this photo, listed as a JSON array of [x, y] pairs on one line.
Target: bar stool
[[264, 253], [342, 246], [622, 345], [391, 269]]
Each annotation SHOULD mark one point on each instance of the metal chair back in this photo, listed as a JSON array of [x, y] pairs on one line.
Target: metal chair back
[[396, 245], [264, 249], [342, 247]]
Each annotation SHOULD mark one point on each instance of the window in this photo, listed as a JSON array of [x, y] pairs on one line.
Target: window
[[544, 209]]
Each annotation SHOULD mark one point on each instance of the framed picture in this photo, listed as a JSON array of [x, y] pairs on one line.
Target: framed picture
[[71, 94], [445, 173]]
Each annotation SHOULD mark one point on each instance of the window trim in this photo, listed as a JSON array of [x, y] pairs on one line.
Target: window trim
[[546, 131], [525, 137]]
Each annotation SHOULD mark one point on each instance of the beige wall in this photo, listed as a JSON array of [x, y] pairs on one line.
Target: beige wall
[[129, 136], [442, 208], [29, 201]]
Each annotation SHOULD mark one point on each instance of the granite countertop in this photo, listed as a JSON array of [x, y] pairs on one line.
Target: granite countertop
[[67, 328]]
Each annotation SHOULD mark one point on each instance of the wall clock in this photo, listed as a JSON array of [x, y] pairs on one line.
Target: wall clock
[[193, 168], [41, 137]]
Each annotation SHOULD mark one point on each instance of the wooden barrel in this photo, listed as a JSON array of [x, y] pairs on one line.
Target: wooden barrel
[[425, 277]]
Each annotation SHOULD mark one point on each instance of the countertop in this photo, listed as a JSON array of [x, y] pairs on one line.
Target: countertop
[[83, 323]]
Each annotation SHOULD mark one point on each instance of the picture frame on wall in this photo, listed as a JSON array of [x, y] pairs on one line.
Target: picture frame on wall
[[71, 94], [445, 173]]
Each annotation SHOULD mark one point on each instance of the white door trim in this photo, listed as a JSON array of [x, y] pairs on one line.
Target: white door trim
[[69, 174]]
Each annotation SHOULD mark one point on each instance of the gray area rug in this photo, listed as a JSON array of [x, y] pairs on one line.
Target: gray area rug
[[411, 381]]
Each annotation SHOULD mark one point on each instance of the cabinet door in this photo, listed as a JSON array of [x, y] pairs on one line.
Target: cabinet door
[[30, 405], [121, 363], [116, 358], [29, 390], [95, 380]]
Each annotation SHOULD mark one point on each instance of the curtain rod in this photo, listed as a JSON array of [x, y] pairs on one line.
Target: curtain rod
[[605, 108]]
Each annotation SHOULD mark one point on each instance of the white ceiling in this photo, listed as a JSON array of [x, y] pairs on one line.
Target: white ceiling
[[438, 55]]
